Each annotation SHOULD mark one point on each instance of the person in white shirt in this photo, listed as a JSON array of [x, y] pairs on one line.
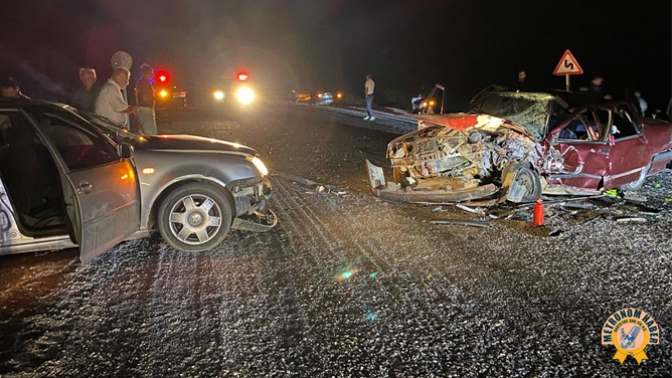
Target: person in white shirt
[[369, 87], [111, 103]]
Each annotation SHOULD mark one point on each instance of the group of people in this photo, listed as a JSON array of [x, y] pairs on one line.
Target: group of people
[[107, 99]]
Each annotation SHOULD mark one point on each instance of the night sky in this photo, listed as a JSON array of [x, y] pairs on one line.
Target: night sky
[[332, 44]]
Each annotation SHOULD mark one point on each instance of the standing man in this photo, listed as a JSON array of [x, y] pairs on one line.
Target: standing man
[[110, 102], [596, 89], [144, 97], [85, 98], [369, 87], [521, 84]]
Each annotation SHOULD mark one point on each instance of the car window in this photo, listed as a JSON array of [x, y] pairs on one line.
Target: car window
[[79, 146], [558, 115], [604, 117], [583, 127], [624, 123]]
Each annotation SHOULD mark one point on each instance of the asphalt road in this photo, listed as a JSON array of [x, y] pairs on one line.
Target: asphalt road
[[346, 285]]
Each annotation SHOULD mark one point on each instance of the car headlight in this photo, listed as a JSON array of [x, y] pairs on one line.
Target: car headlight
[[261, 167], [245, 95], [218, 95]]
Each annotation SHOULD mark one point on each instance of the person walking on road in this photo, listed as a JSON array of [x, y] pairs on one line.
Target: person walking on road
[[111, 103], [85, 98], [144, 96], [369, 87]]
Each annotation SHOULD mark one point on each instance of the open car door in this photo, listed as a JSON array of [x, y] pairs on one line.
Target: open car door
[[581, 142], [98, 178]]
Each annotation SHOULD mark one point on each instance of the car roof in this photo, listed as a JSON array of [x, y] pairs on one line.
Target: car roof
[[26, 101]]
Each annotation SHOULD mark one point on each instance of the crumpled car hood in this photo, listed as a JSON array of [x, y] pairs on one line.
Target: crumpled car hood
[[462, 150], [194, 144]]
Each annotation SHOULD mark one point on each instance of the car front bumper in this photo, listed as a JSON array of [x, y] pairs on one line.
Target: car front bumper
[[251, 205], [394, 192]]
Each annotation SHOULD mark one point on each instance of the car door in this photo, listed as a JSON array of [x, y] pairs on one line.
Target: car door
[[628, 147], [100, 188], [579, 144]]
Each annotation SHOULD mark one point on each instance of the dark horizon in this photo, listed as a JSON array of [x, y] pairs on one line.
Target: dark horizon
[[333, 44]]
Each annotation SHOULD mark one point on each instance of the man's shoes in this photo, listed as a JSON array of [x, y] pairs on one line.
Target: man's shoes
[[366, 118], [372, 119]]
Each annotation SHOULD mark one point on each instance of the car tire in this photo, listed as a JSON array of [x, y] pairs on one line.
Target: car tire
[[194, 217], [530, 180], [635, 185]]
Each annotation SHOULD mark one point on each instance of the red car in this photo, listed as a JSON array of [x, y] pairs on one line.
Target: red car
[[526, 144]]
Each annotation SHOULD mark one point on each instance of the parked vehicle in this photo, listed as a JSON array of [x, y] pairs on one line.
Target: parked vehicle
[[551, 142], [317, 98], [70, 178]]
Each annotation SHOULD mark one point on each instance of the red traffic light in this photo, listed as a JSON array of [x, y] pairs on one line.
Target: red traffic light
[[162, 77], [242, 76]]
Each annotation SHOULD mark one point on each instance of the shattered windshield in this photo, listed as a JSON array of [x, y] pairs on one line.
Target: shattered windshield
[[529, 110]]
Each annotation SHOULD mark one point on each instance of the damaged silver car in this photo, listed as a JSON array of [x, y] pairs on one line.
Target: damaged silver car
[[73, 179], [522, 145]]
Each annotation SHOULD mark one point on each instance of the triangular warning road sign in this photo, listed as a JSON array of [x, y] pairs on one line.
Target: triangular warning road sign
[[568, 65]]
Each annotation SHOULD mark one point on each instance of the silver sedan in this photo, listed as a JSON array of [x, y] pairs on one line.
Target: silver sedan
[[69, 179]]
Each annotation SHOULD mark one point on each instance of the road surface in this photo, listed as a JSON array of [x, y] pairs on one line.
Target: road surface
[[346, 285]]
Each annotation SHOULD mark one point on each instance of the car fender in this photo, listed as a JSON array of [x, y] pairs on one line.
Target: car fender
[[170, 168]]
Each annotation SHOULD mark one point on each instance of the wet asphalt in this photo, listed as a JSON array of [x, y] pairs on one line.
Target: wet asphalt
[[348, 285]]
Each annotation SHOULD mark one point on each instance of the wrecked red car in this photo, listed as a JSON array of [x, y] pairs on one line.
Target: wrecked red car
[[522, 145]]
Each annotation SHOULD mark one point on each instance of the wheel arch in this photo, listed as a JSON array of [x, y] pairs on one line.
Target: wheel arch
[[181, 181]]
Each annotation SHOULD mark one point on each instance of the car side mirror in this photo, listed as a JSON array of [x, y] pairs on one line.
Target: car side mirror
[[125, 150]]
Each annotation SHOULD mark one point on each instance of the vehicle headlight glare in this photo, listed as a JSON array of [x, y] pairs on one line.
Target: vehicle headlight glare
[[261, 167], [218, 95], [245, 95]]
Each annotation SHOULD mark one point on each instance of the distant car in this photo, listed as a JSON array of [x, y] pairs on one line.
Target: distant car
[[237, 93], [70, 178], [317, 98], [167, 94], [552, 142], [301, 96]]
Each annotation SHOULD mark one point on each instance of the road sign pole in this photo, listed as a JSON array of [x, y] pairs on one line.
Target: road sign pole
[[567, 82]]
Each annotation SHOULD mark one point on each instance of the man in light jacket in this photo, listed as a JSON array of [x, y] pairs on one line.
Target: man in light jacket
[[111, 103]]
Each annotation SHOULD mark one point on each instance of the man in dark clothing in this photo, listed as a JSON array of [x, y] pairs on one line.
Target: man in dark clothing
[[85, 98], [521, 84], [144, 96], [596, 90]]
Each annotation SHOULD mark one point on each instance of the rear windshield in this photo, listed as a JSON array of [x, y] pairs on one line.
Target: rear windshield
[[529, 110]]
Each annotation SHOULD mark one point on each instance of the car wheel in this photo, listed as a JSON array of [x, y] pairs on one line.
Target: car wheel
[[194, 217], [635, 185], [529, 179]]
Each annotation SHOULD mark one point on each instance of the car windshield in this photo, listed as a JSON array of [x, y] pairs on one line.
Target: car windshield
[[109, 127], [529, 110]]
